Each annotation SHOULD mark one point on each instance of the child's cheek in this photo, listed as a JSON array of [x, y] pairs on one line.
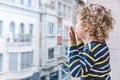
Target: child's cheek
[[77, 26]]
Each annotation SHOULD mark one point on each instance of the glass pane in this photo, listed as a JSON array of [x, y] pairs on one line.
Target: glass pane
[[21, 1], [13, 61], [50, 53], [26, 60], [30, 29], [50, 28], [12, 28], [21, 28], [29, 2]]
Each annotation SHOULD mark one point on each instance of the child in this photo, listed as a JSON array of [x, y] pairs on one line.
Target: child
[[89, 54]]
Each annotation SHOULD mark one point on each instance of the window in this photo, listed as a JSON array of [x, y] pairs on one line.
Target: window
[[11, 32], [67, 11], [1, 60], [13, 61], [50, 53], [1, 26], [59, 9], [40, 3], [26, 59], [29, 2], [12, 28], [64, 13], [70, 11], [31, 29], [50, 28], [21, 1], [52, 4], [21, 30]]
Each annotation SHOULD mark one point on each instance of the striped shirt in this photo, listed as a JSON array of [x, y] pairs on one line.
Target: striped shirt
[[90, 61]]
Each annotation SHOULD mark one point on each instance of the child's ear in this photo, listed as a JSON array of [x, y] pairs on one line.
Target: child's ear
[[86, 27]]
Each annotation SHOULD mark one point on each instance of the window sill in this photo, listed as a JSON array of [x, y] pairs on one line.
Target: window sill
[[51, 60], [50, 35]]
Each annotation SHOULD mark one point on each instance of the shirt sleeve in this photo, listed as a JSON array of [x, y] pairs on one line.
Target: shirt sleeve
[[80, 61], [80, 47]]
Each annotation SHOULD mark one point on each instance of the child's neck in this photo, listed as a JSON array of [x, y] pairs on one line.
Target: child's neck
[[89, 39]]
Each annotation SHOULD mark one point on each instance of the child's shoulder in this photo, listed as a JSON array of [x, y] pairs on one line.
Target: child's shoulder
[[98, 48], [93, 45]]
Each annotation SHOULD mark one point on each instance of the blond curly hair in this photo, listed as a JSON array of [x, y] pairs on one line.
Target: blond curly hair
[[98, 18]]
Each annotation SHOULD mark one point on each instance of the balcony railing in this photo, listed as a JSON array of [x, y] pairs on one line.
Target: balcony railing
[[50, 64], [20, 38]]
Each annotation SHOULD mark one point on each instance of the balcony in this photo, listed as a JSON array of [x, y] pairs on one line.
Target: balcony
[[20, 74], [49, 64], [50, 4], [20, 40]]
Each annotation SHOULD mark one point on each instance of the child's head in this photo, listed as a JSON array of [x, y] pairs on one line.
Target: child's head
[[95, 20]]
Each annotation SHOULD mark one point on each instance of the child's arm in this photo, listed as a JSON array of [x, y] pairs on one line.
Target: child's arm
[[80, 46], [80, 62]]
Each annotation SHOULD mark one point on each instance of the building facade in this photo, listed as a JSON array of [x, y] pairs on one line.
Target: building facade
[[19, 39], [55, 16]]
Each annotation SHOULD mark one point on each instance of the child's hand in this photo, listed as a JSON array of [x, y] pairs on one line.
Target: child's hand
[[72, 37], [78, 40]]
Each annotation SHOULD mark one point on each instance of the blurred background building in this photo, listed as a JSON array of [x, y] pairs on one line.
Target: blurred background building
[[19, 39], [53, 37], [34, 38]]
